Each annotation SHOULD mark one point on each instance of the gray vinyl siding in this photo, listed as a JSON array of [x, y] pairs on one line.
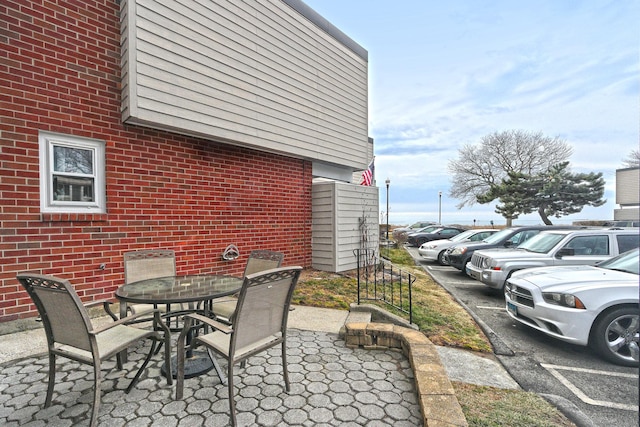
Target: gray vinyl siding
[[254, 73], [323, 231], [337, 208], [356, 177]]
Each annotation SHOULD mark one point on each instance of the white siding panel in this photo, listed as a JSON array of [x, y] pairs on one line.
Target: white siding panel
[[628, 187], [336, 232], [322, 233], [252, 73]]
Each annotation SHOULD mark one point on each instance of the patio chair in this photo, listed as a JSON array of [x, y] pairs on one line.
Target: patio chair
[[259, 260], [148, 264], [70, 333], [260, 322]]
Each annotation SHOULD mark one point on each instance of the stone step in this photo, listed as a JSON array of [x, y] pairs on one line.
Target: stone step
[[359, 317]]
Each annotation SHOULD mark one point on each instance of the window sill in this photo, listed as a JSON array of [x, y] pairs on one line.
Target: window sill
[[73, 217]]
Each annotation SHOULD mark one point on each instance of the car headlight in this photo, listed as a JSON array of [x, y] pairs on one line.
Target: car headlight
[[459, 251], [487, 262], [564, 300], [427, 246]]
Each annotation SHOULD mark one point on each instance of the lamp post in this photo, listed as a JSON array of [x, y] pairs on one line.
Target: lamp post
[[439, 207], [388, 181]]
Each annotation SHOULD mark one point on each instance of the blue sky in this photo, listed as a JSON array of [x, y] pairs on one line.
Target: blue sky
[[446, 73]]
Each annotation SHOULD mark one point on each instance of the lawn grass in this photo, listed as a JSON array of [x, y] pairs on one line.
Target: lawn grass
[[435, 312], [495, 407], [446, 323]]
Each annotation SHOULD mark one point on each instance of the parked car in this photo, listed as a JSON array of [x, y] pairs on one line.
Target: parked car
[[623, 224], [460, 254], [411, 228], [402, 237], [558, 247], [417, 239], [594, 306], [435, 249]]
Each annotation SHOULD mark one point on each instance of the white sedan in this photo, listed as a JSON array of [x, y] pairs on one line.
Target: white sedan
[[584, 305], [434, 250]]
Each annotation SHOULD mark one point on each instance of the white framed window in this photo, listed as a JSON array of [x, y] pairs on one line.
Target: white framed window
[[72, 174]]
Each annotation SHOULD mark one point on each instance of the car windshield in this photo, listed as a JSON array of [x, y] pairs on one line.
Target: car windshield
[[463, 236], [627, 261], [428, 229], [499, 236], [542, 243]]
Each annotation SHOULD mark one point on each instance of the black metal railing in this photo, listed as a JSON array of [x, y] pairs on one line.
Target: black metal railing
[[379, 280]]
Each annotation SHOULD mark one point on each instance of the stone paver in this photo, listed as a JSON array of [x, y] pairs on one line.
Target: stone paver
[[331, 385]]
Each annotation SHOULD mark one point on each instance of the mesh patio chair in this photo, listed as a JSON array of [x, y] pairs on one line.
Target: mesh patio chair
[[70, 333], [259, 260], [260, 322], [148, 264]]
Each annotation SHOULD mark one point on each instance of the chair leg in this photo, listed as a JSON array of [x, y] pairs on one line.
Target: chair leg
[[167, 351], [216, 365], [285, 371], [181, 353], [52, 379], [97, 380], [119, 363], [135, 379], [232, 402]]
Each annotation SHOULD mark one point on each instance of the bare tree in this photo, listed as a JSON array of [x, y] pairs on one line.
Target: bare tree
[[481, 166], [633, 160]]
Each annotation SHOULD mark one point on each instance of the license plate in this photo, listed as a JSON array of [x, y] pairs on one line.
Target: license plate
[[512, 308]]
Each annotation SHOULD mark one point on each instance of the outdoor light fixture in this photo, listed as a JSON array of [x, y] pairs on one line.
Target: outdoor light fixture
[[439, 207]]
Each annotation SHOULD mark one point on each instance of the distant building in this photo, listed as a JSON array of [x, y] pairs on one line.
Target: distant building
[[627, 194]]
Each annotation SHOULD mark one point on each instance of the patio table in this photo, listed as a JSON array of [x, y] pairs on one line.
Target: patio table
[[190, 290]]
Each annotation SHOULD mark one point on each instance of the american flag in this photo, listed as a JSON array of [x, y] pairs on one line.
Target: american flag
[[367, 176]]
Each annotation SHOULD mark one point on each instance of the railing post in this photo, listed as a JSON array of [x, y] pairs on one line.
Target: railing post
[[410, 299], [357, 251]]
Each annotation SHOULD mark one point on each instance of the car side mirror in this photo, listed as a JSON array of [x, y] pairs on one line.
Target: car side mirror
[[508, 244], [565, 252]]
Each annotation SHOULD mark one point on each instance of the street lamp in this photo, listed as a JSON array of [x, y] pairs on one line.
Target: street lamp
[[439, 207], [388, 181]]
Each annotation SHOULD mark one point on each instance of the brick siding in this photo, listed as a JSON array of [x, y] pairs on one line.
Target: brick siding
[[60, 72]]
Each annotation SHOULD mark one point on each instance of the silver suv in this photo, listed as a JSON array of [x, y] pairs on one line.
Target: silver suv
[[559, 247]]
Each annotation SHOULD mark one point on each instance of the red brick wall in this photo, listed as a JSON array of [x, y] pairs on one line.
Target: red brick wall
[[60, 72]]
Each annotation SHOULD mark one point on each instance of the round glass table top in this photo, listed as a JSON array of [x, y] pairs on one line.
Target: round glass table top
[[175, 289]]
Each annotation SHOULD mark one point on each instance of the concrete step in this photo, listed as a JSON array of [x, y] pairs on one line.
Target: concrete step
[[359, 317]]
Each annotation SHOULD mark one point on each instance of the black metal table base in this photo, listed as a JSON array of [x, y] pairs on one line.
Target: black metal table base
[[197, 363]]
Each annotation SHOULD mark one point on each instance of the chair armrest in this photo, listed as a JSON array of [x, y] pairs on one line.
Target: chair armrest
[[220, 300], [125, 320], [106, 304], [208, 321]]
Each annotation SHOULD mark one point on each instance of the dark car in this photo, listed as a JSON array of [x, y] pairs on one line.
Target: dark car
[[417, 239], [415, 227], [460, 254], [401, 237]]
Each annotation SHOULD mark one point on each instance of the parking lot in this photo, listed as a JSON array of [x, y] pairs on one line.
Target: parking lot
[[571, 376]]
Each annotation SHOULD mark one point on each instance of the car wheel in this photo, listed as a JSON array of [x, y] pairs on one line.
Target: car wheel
[[441, 258], [615, 336]]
